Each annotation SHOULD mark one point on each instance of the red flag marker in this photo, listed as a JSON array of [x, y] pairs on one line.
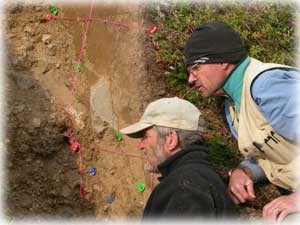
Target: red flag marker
[[154, 30], [49, 17], [75, 146]]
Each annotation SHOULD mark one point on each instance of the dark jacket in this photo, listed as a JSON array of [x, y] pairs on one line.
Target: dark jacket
[[189, 187]]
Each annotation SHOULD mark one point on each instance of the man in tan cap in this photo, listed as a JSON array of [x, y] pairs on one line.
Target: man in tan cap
[[170, 133]]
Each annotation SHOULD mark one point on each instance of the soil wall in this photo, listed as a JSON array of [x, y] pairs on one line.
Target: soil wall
[[118, 78]]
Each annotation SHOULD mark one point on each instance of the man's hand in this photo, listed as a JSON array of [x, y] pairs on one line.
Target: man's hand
[[280, 207], [241, 186]]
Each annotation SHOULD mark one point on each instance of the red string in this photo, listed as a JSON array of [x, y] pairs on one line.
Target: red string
[[83, 44], [74, 86], [115, 152], [82, 191], [75, 146], [50, 17]]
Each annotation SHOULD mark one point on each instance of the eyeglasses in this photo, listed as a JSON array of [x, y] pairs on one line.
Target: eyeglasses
[[193, 68]]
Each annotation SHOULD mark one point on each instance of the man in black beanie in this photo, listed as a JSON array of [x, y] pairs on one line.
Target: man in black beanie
[[261, 112]]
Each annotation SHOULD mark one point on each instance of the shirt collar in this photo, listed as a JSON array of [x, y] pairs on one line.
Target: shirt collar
[[234, 84]]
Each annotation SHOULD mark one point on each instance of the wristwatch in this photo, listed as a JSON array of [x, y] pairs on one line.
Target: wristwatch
[[243, 168]]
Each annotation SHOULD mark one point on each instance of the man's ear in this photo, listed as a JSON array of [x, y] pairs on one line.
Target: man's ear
[[228, 67], [172, 142], [225, 65]]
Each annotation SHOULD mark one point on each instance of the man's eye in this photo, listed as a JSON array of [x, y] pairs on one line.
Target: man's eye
[[145, 136]]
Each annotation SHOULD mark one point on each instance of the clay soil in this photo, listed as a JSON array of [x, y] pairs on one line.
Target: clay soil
[[42, 174]]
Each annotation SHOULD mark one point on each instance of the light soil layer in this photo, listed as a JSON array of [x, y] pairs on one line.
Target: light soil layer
[[42, 172]]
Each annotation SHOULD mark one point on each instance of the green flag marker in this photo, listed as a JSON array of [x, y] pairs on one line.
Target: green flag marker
[[118, 136], [78, 68], [54, 11], [141, 187]]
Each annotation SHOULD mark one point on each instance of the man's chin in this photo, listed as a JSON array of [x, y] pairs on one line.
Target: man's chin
[[205, 94], [202, 92], [219, 92]]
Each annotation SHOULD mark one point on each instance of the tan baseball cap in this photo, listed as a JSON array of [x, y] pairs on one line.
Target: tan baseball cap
[[168, 112]]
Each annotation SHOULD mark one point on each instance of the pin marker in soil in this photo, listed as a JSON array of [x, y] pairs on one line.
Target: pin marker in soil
[[78, 68], [49, 17], [141, 188], [111, 199], [75, 146], [54, 11], [153, 30], [118, 136], [93, 171], [83, 192]]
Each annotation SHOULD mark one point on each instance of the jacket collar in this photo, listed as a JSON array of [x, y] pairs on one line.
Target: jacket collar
[[234, 84], [175, 161]]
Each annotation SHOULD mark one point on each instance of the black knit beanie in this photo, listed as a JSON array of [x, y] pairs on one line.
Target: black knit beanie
[[214, 42]]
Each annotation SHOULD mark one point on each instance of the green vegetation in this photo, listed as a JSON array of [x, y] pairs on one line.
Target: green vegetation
[[220, 154], [267, 29]]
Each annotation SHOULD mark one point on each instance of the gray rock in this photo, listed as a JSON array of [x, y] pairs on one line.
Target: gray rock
[[19, 108], [10, 165], [29, 47], [10, 35], [46, 68], [51, 46], [73, 180], [36, 39], [101, 107], [28, 159], [68, 83], [38, 8], [27, 201], [39, 163], [29, 30], [24, 82], [112, 171], [36, 122], [16, 8], [51, 52], [56, 177], [66, 213], [105, 208], [17, 63], [53, 193], [23, 148], [46, 38], [66, 191]]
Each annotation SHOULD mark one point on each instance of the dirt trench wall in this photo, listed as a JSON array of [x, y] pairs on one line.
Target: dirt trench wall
[[117, 73]]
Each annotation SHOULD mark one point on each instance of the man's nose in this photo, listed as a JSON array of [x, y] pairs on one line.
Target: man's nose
[[141, 145], [192, 78]]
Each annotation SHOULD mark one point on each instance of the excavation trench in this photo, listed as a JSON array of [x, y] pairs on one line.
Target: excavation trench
[[118, 78]]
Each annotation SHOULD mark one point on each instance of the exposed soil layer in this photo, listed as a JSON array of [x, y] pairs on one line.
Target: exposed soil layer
[[43, 174]]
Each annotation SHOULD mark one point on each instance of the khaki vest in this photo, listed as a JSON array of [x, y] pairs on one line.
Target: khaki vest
[[256, 138]]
